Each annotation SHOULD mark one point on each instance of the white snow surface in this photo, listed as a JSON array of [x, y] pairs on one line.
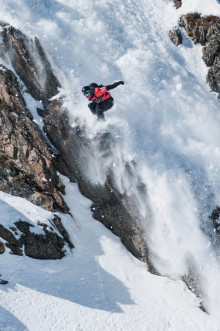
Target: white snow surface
[[167, 119], [99, 286]]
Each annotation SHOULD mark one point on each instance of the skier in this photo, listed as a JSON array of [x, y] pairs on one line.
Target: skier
[[100, 97]]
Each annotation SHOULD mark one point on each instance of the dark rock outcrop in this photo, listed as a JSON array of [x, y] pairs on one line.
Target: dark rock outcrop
[[30, 62], [3, 282], [200, 29], [38, 246], [206, 31], [2, 247], [11, 242], [213, 77], [215, 217], [26, 165], [49, 245], [59, 226], [178, 3], [176, 36]]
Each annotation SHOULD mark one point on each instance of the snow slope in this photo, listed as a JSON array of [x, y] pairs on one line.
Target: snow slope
[[169, 122], [99, 286]]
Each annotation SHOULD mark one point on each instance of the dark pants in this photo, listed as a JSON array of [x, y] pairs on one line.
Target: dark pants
[[99, 108]]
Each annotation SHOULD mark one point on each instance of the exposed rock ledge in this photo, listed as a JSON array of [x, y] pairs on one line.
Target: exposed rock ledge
[[206, 31], [178, 3], [50, 245]]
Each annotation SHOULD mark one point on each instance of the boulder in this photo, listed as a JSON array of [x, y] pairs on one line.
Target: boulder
[[176, 36], [3, 282], [39, 246], [178, 3], [50, 245]]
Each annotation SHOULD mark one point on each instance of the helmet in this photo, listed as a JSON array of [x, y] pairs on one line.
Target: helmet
[[86, 90]]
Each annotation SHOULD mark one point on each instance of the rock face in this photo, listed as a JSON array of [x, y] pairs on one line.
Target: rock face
[[26, 165], [30, 62], [49, 245], [206, 31]]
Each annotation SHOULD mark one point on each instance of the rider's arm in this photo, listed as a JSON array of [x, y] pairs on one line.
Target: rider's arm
[[114, 85]]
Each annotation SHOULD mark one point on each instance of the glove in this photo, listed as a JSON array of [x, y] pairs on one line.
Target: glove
[[121, 82]]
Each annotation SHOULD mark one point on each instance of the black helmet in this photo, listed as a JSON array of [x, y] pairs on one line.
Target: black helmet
[[86, 90]]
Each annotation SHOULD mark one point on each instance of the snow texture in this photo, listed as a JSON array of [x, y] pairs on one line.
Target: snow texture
[[168, 120]]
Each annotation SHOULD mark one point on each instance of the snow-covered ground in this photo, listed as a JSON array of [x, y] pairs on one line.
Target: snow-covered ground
[[169, 122], [99, 286]]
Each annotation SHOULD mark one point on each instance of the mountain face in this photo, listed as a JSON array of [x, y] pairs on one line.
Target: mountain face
[[29, 163], [31, 160], [158, 206]]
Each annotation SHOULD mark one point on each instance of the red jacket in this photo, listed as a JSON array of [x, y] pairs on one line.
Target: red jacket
[[100, 94]]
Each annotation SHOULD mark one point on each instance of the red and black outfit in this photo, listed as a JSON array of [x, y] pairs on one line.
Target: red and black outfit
[[101, 99]]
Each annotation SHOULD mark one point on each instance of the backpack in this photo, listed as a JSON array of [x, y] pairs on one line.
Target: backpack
[[92, 86]]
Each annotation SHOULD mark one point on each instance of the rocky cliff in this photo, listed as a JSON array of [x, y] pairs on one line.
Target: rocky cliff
[[27, 168], [206, 31], [29, 165]]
